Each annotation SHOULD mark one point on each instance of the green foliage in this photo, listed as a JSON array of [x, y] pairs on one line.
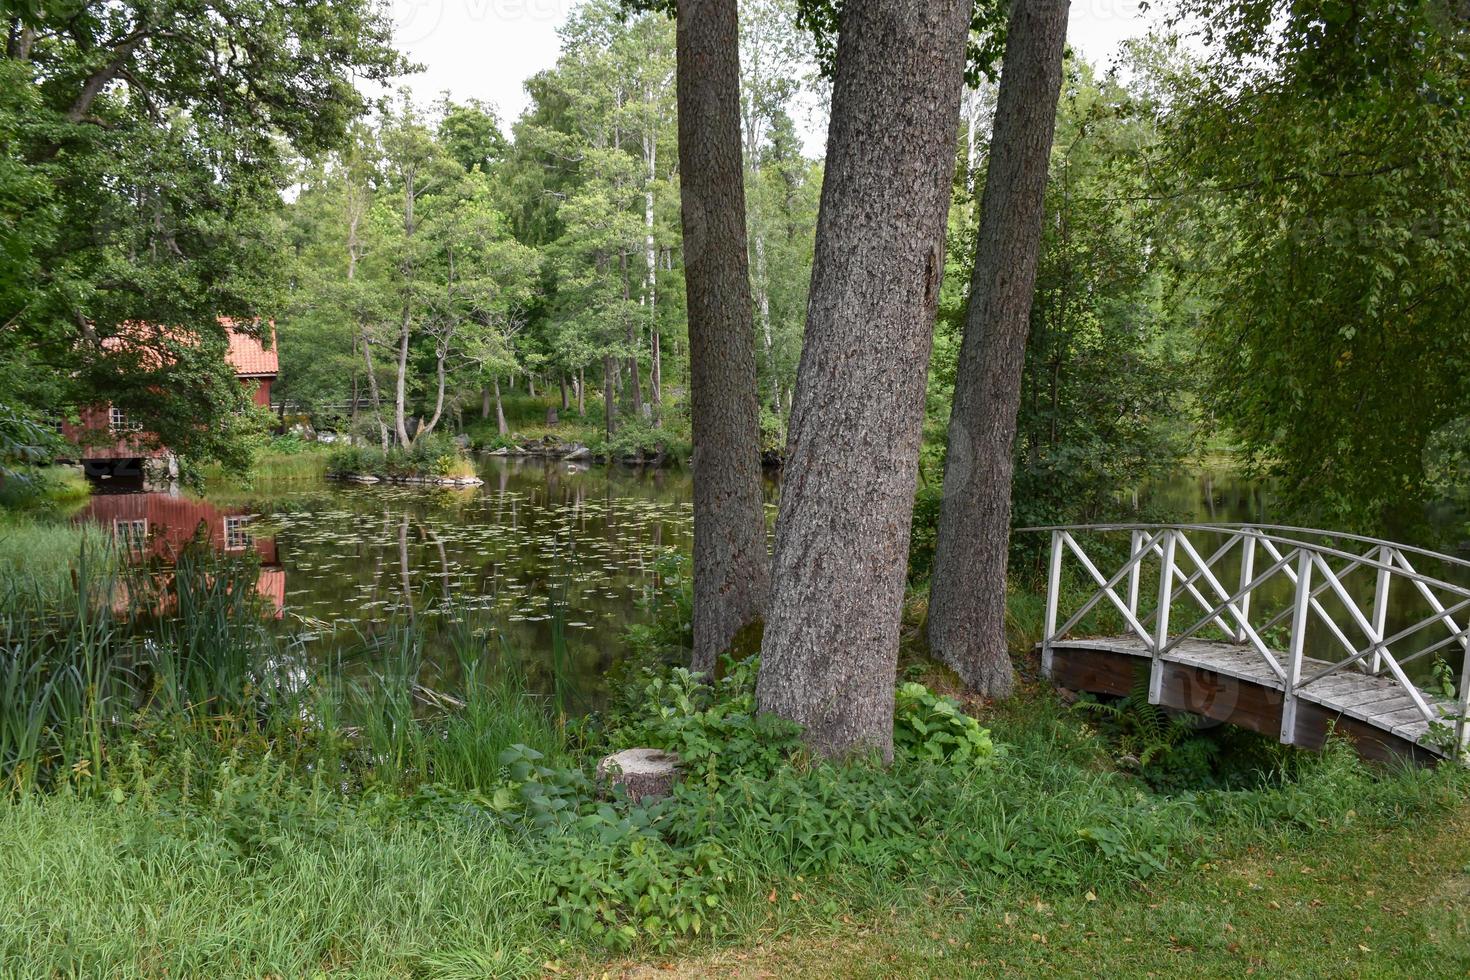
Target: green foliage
[[1175, 753], [1164, 748], [936, 729], [291, 444], [284, 801], [1317, 171], [1443, 680], [712, 725], [823, 18], [1107, 382], [142, 184], [637, 439], [25, 444]]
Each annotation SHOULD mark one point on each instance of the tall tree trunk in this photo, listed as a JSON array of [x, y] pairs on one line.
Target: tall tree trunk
[[372, 379], [650, 278], [967, 601], [500, 425], [655, 376], [609, 396], [731, 573], [581, 392], [635, 383], [830, 651], [440, 373], [356, 390], [565, 401], [763, 306], [399, 385]]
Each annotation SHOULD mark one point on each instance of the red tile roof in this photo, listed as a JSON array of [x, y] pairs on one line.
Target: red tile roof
[[248, 355]]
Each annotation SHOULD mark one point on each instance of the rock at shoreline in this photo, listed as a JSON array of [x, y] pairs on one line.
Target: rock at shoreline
[[579, 452], [440, 481], [643, 773]]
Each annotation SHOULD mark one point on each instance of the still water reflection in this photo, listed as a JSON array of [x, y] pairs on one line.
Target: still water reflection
[[545, 556]]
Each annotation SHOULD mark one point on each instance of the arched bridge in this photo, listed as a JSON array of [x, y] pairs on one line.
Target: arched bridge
[[1289, 631]]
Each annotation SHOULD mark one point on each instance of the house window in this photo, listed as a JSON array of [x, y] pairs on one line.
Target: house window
[[119, 423], [131, 536], [237, 533]]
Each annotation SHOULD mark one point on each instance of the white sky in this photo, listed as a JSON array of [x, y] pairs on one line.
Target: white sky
[[485, 49]]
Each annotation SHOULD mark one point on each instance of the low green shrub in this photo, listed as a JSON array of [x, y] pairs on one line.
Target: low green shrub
[[358, 460], [292, 444], [636, 437], [431, 455], [935, 728], [712, 725]]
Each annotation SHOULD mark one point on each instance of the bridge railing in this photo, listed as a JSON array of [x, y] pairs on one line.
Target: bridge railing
[[1248, 584]]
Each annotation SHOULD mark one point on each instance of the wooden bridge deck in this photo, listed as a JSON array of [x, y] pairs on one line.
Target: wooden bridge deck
[[1232, 683]]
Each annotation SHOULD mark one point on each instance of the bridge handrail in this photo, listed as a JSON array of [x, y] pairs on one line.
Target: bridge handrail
[[1249, 526], [1294, 558]]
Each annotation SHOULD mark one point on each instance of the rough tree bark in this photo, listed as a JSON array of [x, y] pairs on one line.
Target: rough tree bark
[[731, 573], [830, 649], [967, 600]]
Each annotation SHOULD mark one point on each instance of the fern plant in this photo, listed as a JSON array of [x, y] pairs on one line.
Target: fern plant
[[1166, 748]]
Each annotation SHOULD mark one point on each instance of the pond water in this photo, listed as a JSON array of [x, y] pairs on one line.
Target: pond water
[[552, 561], [547, 558]]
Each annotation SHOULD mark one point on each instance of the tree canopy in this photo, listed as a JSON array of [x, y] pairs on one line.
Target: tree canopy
[[147, 147]]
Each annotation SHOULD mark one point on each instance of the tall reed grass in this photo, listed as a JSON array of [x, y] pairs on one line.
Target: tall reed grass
[[183, 657]]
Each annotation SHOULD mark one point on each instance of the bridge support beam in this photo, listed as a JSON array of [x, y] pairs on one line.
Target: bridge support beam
[[1298, 644], [1223, 698], [1161, 631], [1053, 596]]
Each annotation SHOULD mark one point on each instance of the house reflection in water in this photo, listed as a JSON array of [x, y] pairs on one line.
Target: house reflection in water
[[158, 525]]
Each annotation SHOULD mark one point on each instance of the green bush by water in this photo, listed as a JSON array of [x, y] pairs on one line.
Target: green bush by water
[[431, 455]]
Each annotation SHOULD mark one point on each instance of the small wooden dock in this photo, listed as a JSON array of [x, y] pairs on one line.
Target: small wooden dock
[[1200, 644]]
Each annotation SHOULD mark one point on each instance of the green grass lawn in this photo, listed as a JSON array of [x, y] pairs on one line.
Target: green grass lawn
[[1365, 902]]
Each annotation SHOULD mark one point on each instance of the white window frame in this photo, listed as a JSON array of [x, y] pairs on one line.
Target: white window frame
[[237, 532], [131, 535], [119, 423]]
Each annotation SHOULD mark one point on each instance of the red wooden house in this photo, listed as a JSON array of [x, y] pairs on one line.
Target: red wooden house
[[105, 436]]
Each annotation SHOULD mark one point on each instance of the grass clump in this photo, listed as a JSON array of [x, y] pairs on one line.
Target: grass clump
[[41, 556]]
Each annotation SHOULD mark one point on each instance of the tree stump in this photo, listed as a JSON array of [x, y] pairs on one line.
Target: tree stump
[[551, 416], [643, 773]]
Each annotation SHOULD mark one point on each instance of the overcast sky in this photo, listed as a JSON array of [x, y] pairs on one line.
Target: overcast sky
[[485, 49]]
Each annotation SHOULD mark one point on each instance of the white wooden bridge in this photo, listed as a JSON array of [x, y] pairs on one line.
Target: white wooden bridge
[[1289, 631]]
